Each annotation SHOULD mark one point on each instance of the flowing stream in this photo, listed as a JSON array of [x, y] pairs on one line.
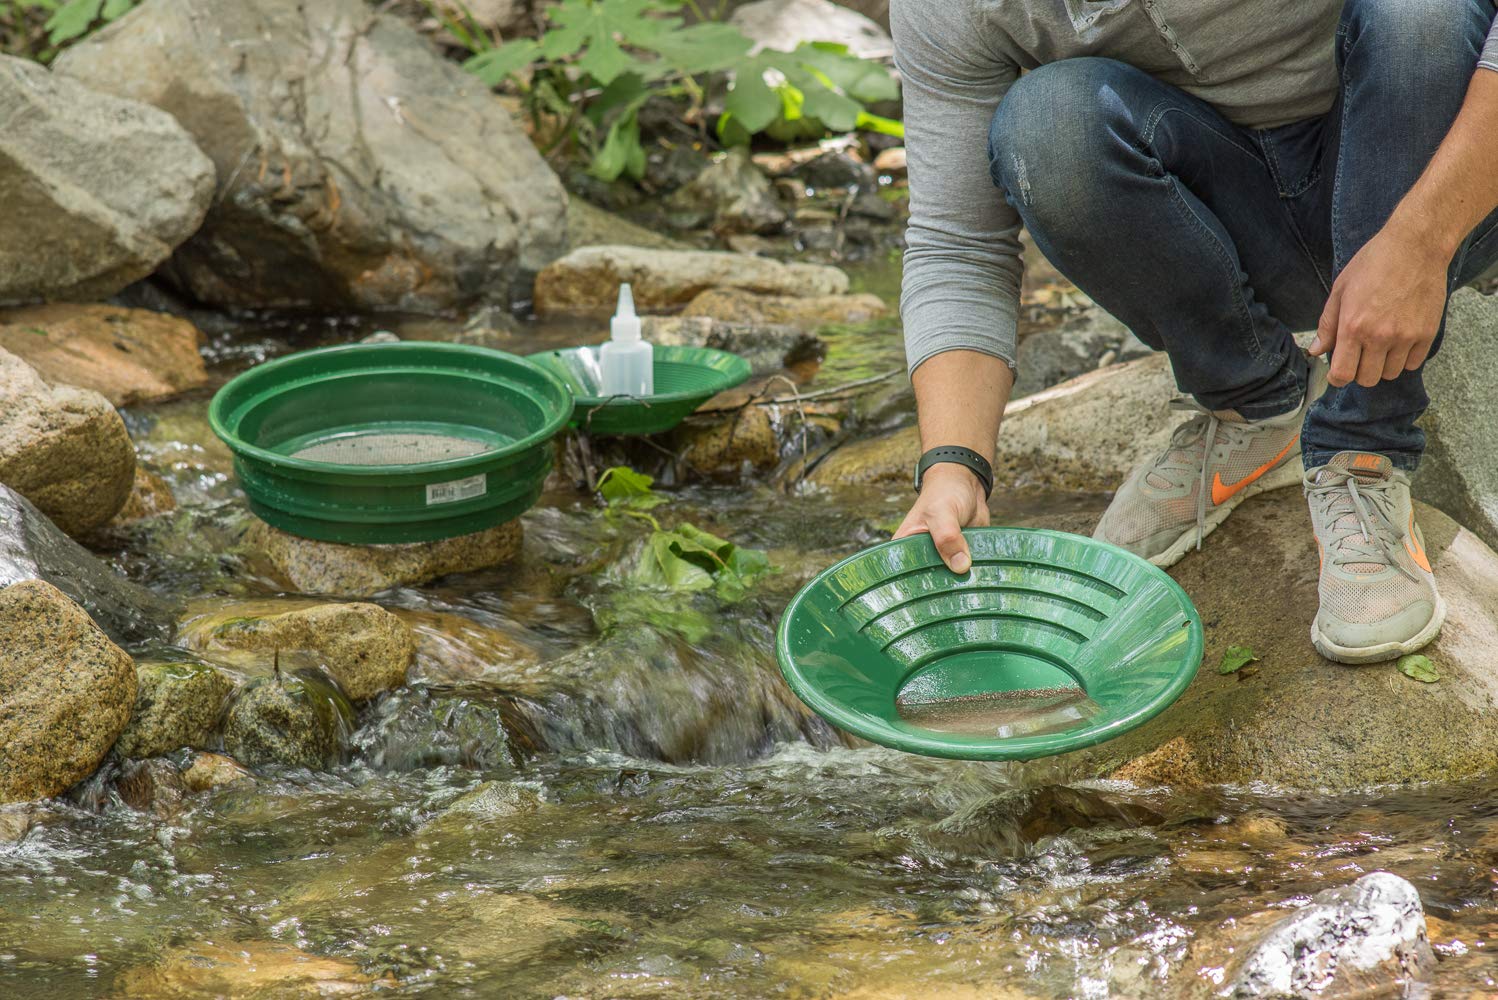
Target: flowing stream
[[643, 809]]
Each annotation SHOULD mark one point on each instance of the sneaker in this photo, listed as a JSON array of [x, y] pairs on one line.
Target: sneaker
[[1378, 597], [1216, 460]]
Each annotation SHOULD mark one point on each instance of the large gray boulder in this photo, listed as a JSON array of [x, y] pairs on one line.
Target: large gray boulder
[[64, 449], [1460, 470], [65, 692], [33, 548], [356, 167], [97, 191]]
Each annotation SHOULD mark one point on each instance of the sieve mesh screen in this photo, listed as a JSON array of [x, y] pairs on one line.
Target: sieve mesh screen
[[390, 449]]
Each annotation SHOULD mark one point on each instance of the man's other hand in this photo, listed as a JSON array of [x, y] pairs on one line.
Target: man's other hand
[[1384, 310], [951, 499]]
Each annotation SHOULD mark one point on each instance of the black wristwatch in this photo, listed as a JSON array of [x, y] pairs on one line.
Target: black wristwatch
[[958, 456]]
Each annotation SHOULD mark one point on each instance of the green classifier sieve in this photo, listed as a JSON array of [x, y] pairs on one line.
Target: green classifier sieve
[[685, 378], [1051, 642], [391, 443]]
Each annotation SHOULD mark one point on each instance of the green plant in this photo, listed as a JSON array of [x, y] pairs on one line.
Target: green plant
[[602, 60], [684, 557], [70, 19]]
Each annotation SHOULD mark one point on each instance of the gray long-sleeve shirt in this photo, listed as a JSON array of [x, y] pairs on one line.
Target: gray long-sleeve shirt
[[1262, 63]]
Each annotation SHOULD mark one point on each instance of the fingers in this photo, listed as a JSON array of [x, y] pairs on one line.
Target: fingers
[[1417, 356], [1344, 369], [947, 534], [1371, 366], [1395, 363], [1326, 327]]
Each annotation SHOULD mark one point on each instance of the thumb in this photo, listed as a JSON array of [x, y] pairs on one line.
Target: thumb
[[1326, 327], [950, 543]]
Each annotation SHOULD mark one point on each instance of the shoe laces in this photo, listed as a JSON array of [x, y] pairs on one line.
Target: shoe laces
[[1359, 517], [1179, 457]]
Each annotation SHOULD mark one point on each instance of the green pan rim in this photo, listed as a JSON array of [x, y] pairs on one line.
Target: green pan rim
[[554, 423], [721, 379], [1020, 747]]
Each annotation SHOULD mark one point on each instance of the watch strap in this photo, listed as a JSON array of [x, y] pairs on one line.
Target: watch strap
[[956, 455]]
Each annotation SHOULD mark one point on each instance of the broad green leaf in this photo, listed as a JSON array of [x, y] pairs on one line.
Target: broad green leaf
[[664, 563], [623, 486], [1235, 658], [114, 9], [1419, 667], [496, 64], [861, 79], [700, 48], [600, 25], [629, 92], [751, 101], [838, 113], [72, 19]]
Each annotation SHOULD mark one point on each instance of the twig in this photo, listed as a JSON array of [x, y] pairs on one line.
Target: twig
[[799, 397]]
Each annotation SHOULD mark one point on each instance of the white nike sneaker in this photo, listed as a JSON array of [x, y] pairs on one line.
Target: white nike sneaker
[[1216, 460], [1378, 595]]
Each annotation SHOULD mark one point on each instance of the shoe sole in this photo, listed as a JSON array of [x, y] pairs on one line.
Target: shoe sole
[[1384, 650], [1290, 472]]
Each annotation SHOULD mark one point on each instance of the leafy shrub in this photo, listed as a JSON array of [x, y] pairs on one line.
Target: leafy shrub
[[600, 61]]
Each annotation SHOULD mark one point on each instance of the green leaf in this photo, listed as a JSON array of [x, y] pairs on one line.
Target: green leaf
[[72, 19], [700, 48], [751, 101], [599, 25], [1419, 667], [624, 487], [620, 150], [494, 65], [114, 9], [1235, 658], [665, 563], [860, 79]]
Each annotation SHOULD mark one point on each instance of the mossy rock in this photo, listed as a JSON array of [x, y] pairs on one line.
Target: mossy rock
[[176, 705], [299, 720]]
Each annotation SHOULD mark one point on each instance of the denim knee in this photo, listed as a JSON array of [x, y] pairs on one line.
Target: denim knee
[[1049, 139], [1423, 34]]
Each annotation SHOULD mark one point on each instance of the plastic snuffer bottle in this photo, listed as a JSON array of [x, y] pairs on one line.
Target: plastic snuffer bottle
[[628, 363]]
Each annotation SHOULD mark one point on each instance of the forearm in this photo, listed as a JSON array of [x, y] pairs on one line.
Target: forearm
[[1459, 187], [960, 399]]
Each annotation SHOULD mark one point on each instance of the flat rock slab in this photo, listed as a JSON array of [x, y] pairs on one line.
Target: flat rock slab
[[128, 356], [1303, 722], [98, 191], [586, 281], [314, 567]]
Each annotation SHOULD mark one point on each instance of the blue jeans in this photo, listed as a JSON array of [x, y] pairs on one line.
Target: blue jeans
[[1212, 241]]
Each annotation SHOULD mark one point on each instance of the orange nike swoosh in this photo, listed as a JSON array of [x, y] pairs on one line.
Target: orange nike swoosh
[[1414, 548], [1222, 493]]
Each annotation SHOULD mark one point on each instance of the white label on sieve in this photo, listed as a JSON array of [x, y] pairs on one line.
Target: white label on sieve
[[458, 489]]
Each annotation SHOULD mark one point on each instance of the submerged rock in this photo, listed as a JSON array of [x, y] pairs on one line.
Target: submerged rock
[[730, 196], [586, 281], [65, 692], [295, 719], [1067, 437], [491, 800], [128, 356], [177, 704], [314, 567], [451, 649], [1355, 940], [1460, 471], [767, 347], [363, 647], [207, 771], [1303, 722], [150, 496], [245, 969], [155, 786], [98, 190], [32, 548], [64, 449], [807, 312], [357, 168]]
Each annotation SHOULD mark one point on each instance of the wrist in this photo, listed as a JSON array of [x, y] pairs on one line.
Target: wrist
[[954, 463], [1424, 235]]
